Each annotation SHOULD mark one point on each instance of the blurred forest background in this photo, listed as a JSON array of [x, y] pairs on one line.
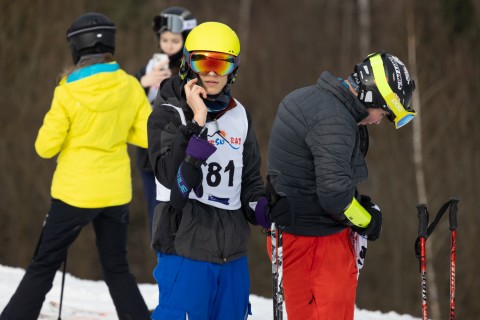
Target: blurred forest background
[[285, 45]]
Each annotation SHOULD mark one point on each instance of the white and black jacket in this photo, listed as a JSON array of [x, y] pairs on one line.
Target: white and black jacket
[[214, 228]]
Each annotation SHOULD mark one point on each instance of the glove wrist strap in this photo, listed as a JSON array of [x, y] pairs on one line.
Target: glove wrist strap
[[357, 214], [193, 161]]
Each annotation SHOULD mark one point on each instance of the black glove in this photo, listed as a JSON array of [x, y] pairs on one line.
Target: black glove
[[374, 228], [280, 212], [189, 174], [275, 206], [366, 201]]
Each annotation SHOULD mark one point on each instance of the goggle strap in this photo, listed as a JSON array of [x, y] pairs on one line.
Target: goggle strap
[[387, 93], [175, 23]]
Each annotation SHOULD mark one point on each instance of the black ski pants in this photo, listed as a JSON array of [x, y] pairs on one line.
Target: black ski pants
[[62, 226]]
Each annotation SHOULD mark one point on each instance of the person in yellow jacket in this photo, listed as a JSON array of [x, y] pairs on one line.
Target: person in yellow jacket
[[96, 110]]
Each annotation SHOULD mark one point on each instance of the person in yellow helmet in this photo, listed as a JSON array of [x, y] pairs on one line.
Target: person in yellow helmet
[[96, 110], [206, 161]]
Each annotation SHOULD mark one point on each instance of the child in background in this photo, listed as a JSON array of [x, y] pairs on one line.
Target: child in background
[[171, 28]]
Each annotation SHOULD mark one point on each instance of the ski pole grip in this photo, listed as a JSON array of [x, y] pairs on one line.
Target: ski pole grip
[[453, 214], [423, 219], [270, 191]]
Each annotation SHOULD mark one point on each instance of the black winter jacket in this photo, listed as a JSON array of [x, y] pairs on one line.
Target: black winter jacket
[[316, 145], [199, 231]]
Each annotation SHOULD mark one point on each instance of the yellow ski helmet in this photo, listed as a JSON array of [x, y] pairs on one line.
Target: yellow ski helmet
[[213, 37]]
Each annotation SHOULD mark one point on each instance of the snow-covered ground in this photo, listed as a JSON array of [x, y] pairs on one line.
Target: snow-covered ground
[[93, 298]]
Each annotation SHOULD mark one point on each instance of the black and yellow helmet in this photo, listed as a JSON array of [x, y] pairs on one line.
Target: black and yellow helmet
[[384, 82]]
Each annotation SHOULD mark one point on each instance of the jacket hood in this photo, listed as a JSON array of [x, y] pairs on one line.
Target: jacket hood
[[334, 85], [96, 87], [172, 92]]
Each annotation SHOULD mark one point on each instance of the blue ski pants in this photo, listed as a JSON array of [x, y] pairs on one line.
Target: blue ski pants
[[197, 290]]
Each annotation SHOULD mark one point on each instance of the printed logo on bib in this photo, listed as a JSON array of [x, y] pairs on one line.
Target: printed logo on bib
[[224, 201], [220, 138]]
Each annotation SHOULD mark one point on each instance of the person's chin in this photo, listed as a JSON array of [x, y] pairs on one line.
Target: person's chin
[[213, 92]]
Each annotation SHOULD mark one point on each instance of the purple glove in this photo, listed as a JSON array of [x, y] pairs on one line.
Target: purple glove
[[262, 212], [199, 148]]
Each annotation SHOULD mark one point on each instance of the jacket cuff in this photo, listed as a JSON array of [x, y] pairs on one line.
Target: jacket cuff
[[191, 128]]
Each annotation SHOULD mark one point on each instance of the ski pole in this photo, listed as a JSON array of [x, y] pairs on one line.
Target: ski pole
[[61, 289], [37, 247], [277, 252], [277, 272], [39, 241], [422, 233], [453, 248]]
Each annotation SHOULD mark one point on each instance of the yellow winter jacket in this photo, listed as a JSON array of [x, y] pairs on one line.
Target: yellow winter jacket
[[95, 112]]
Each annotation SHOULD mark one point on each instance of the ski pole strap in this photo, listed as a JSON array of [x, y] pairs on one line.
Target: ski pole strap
[[270, 191], [422, 236], [453, 214], [423, 221], [452, 203]]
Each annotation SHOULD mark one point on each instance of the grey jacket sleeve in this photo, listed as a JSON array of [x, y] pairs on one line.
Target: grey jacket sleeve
[[332, 143]]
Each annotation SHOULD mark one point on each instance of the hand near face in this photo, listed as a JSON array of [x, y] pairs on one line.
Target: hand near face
[[195, 95], [162, 65], [155, 77]]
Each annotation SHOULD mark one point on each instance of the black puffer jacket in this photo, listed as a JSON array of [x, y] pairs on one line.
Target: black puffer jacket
[[199, 231], [316, 145]]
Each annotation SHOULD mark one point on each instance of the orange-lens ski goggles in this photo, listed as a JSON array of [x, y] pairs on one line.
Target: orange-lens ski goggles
[[204, 62]]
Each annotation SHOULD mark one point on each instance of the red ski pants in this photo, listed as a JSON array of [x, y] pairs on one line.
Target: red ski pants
[[319, 276]]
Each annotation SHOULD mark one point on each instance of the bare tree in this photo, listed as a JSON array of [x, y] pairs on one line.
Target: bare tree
[[418, 152], [244, 25], [364, 24]]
